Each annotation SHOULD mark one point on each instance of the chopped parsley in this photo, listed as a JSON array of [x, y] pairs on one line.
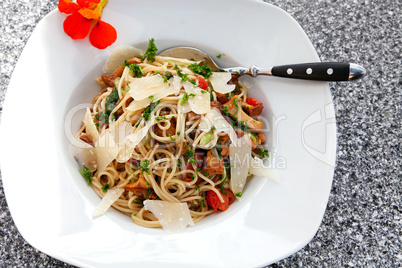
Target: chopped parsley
[[203, 202], [263, 153], [184, 77], [105, 187], [220, 55], [238, 194], [189, 154], [150, 53], [135, 69], [166, 76], [186, 97], [86, 173], [149, 109], [244, 126], [171, 138], [111, 100], [160, 118], [225, 110], [192, 160], [192, 176], [144, 166], [178, 133], [201, 69], [196, 188]]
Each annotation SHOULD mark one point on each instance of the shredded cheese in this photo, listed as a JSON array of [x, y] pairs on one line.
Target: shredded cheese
[[219, 81], [107, 201], [240, 157], [174, 217]]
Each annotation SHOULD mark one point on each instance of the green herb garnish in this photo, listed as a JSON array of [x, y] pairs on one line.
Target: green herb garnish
[[135, 69], [105, 187], [184, 77], [202, 202], [186, 97], [160, 118], [263, 153], [166, 76], [87, 174], [238, 194], [150, 53], [225, 110], [149, 109], [144, 166], [201, 69]]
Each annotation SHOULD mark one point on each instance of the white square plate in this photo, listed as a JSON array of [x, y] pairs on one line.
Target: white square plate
[[51, 203]]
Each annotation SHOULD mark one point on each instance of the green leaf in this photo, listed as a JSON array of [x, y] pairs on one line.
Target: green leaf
[[86, 173], [105, 187], [150, 53]]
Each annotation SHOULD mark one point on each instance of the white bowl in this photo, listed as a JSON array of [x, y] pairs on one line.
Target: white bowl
[[50, 202]]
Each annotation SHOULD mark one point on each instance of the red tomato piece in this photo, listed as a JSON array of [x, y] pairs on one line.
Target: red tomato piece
[[252, 101], [202, 83], [215, 203]]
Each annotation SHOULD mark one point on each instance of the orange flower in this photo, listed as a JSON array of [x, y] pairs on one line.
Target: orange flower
[[83, 15]]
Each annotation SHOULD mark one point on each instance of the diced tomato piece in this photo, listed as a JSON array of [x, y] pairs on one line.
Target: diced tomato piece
[[215, 203], [252, 101], [202, 83]]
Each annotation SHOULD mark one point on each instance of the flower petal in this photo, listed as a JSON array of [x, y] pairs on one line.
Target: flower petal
[[76, 26], [102, 35], [67, 6], [87, 3]]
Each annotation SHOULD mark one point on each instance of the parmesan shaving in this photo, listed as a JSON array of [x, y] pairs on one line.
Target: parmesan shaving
[[200, 103], [134, 139], [90, 127], [142, 88], [119, 55], [174, 217], [215, 119], [120, 134], [219, 81], [85, 154], [106, 151], [240, 157], [172, 87], [258, 168], [107, 201]]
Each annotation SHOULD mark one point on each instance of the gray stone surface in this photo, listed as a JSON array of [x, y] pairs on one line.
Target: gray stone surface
[[362, 223]]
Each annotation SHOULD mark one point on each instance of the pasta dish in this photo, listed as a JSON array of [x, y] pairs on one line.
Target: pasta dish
[[169, 142]]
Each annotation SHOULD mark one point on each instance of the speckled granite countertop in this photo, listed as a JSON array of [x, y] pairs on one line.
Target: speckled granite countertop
[[362, 223]]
